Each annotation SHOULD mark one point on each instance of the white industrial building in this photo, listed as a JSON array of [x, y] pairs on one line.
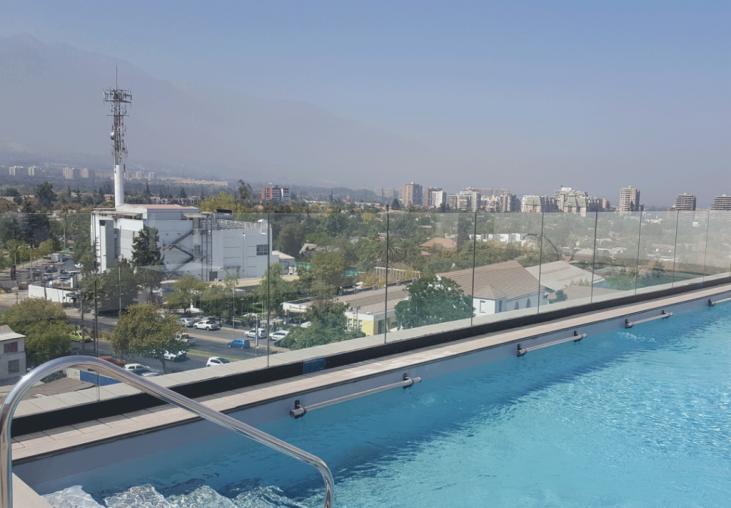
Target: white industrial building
[[205, 244]]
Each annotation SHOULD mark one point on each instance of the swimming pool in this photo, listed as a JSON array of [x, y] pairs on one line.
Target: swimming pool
[[638, 417]]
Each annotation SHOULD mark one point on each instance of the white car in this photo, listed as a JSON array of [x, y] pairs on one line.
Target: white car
[[187, 321], [216, 360], [251, 334], [175, 357], [206, 324], [140, 370], [184, 337], [279, 335]]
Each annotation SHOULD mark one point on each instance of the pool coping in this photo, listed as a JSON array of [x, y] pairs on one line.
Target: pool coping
[[36, 446]]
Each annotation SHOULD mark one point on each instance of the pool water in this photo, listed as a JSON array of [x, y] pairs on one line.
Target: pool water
[[633, 418]]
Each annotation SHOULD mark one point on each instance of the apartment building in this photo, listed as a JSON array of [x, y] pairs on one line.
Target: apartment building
[[629, 199], [722, 202], [412, 194], [685, 202], [275, 193]]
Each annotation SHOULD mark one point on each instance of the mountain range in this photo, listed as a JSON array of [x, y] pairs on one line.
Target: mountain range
[[52, 108]]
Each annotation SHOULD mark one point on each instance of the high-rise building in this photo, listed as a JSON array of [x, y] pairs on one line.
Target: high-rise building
[[722, 202], [412, 194], [87, 173], [32, 170], [426, 200], [469, 198], [389, 193], [275, 193], [629, 199], [438, 197], [70, 173], [508, 203], [532, 203], [569, 200], [485, 191], [500, 192], [685, 202], [606, 205], [452, 201]]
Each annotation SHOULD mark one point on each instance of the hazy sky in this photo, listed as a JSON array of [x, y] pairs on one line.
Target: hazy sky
[[596, 95]]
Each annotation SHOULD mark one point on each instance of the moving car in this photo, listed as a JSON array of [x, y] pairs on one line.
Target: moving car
[[207, 324], [187, 339], [77, 336], [279, 335], [187, 321], [141, 370], [216, 360], [175, 357], [240, 343], [251, 334]]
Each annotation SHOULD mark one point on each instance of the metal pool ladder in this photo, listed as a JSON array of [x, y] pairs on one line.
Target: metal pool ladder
[[21, 388]]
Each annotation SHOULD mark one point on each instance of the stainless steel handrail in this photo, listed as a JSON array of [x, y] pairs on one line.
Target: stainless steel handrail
[[299, 411], [663, 315], [712, 303], [21, 388], [576, 337]]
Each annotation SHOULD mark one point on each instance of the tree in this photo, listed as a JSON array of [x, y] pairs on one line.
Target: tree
[[182, 193], [560, 297], [290, 239], [244, 191], [44, 324], [187, 290], [328, 325], [433, 300], [278, 289], [147, 258], [327, 268], [45, 195], [118, 285], [395, 205], [143, 330]]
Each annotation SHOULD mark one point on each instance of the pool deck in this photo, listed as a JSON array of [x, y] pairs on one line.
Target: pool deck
[[64, 439]]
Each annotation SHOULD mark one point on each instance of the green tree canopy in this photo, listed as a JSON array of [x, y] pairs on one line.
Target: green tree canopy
[[278, 289], [118, 281], [45, 195], [147, 258], [187, 291], [433, 300], [328, 325], [143, 330], [44, 324]]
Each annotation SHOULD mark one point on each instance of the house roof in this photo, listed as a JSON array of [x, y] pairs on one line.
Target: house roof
[[446, 243], [7, 334], [580, 292], [560, 274], [507, 280]]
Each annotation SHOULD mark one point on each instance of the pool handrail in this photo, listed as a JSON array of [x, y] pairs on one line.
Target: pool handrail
[[21, 388]]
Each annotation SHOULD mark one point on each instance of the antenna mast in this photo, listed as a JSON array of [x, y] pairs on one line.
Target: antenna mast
[[118, 98]]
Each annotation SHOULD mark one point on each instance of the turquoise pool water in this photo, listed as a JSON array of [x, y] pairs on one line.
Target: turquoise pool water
[[635, 418]]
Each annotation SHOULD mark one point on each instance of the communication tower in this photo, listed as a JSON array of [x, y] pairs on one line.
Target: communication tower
[[119, 99]]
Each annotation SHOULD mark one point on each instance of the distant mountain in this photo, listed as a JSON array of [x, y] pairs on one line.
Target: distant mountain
[[52, 106]]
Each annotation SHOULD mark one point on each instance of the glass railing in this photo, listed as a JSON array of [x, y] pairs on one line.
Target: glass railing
[[204, 292]]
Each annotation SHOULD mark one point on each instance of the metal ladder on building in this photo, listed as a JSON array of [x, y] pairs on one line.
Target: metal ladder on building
[[21, 388]]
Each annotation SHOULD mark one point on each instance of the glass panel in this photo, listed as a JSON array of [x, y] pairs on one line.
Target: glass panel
[[328, 288], [615, 257], [718, 248], [433, 268], [567, 260], [657, 250], [507, 262], [690, 248]]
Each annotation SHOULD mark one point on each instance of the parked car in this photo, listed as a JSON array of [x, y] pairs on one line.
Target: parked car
[[207, 324], [216, 360], [279, 335], [240, 343], [148, 373], [175, 357], [187, 321], [251, 334], [78, 336]]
